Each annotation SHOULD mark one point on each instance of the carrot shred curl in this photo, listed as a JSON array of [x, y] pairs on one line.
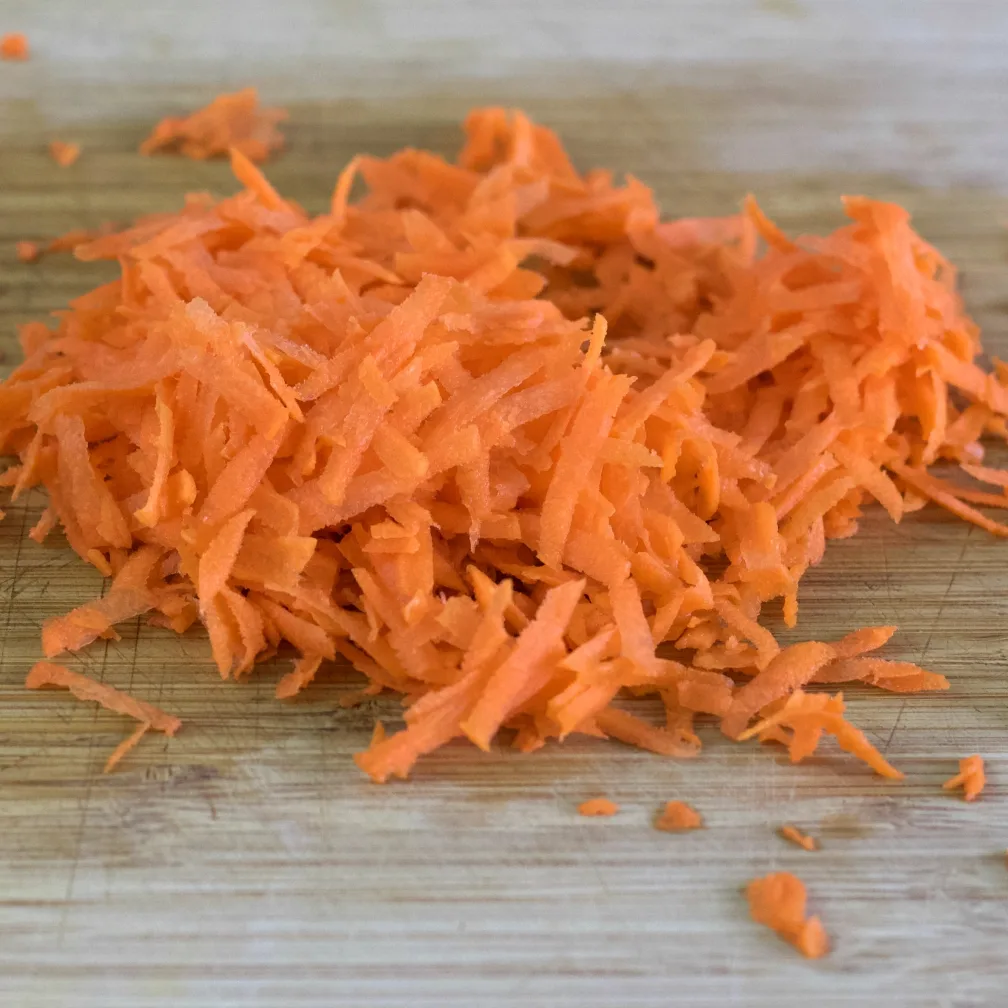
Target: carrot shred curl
[[677, 817], [14, 46], [500, 438], [233, 121], [598, 807], [778, 901], [971, 778]]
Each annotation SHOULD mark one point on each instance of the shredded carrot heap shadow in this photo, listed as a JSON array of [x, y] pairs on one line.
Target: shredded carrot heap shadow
[[494, 433]]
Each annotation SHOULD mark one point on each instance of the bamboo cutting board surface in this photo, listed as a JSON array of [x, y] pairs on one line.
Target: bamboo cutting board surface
[[247, 862]]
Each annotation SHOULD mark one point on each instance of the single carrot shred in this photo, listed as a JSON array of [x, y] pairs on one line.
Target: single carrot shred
[[231, 121], [778, 901], [677, 816], [598, 807], [14, 46], [125, 746], [795, 836], [45, 673], [971, 777], [495, 434], [63, 152]]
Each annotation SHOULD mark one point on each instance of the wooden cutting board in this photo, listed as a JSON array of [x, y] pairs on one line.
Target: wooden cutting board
[[247, 862]]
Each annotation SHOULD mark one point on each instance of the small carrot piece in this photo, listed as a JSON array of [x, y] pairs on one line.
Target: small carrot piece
[[778, 901], [27, 251], [63, 152], [125, 746], [795, 836], [598, 807], [677, 816], [971, 777], [14, 46]]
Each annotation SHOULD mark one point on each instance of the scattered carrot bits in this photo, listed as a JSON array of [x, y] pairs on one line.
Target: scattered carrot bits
[[495, 433], [63, 152], [231, 121], [598, 807], [678, 816], [14, 46], [778, 901], [27, 251], [795, 836], [971, 777]]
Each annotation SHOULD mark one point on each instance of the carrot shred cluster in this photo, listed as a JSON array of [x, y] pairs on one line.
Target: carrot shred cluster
[[233, 120], [495, 433]]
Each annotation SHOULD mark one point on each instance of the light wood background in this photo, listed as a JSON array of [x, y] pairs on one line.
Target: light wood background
[[247, 862]]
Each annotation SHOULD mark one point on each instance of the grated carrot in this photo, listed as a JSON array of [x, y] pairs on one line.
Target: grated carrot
[[971, 777], [495, 435], [63, 152], [795, 836], [27, 251], [778, 901], [230, 122], [678, 816], [14, 46], [598, 807]]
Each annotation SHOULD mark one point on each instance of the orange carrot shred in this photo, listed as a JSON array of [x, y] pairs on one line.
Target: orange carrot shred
[[971, 777], [778, 901], [598, 807], [230, 121], [677, 816], [125, 746], [63, 152], [14, 46], [49, 674], [494, 433], [795, 836]]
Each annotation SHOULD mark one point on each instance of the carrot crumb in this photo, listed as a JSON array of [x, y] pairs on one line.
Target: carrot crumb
[[795, 836], [27, 251], [63, 152], [778, 901], [14, 46], [598, 807], [678, 816], [971, 777]]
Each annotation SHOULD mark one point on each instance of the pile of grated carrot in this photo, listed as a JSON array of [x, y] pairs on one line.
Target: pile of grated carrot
[[494, 434]]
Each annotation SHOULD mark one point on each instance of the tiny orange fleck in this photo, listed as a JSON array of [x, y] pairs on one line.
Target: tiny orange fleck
[[598, 807], [27, 251], [63, 153], [14, 46]]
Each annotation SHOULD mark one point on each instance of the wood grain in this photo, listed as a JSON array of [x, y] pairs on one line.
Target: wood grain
[[247, 862]]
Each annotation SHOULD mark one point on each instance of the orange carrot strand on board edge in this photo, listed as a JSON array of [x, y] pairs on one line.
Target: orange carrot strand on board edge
[[971, 778], [778, 901], [598, 807], [499, 437]]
